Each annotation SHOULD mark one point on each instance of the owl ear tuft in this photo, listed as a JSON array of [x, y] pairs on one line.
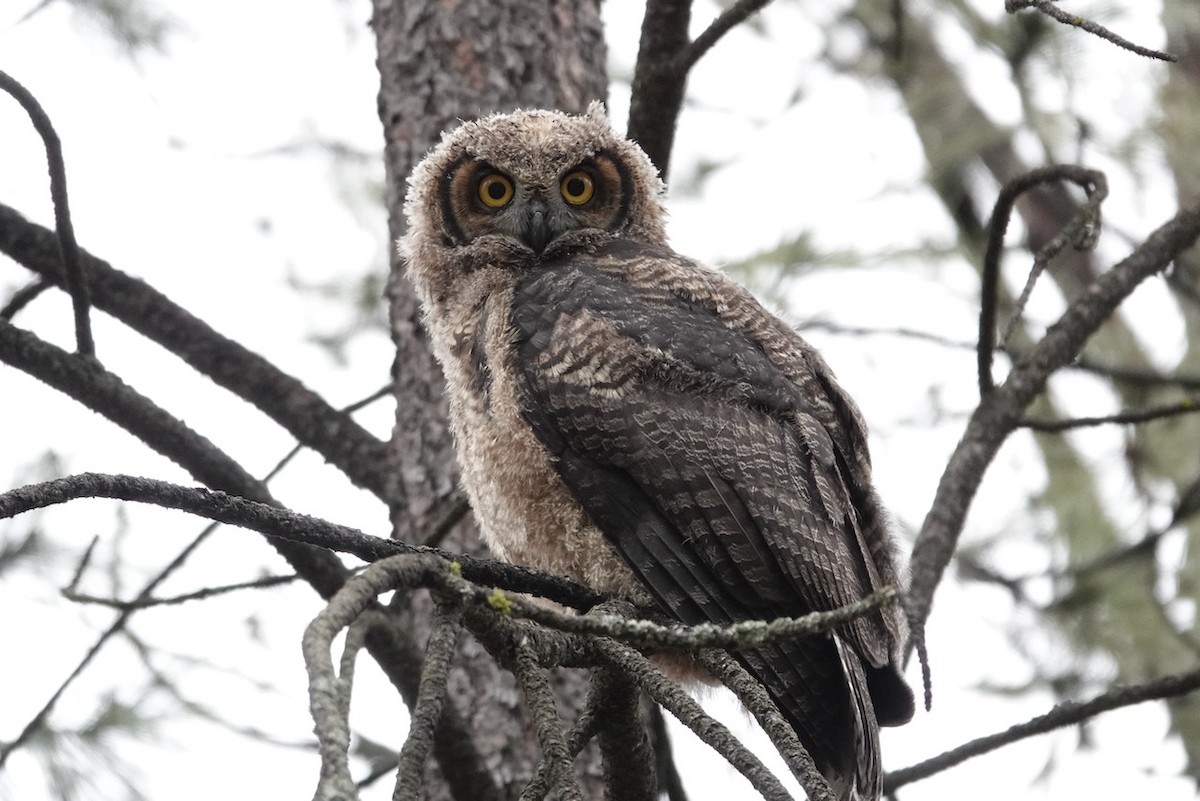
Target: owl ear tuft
[[596, 111]]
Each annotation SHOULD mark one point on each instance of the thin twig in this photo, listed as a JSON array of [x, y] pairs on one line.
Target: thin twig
[[68, 248], [1064, 714], [84, 561], [1076, 21], [456, 509], [35, 723], [1135, 375], [378, 394], [23, 297], [842, 329], [1133, 416], [198, 595]]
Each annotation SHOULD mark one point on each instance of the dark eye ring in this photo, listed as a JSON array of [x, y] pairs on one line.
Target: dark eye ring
[[495, 191], [577, 187]]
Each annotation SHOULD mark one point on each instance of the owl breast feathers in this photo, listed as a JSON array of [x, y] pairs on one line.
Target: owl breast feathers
[[638, 422]]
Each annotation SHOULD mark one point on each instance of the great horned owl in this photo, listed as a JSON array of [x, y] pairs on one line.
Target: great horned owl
[[635, 420]]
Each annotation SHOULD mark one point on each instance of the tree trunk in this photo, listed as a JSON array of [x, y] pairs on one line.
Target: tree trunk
[[440, 62]]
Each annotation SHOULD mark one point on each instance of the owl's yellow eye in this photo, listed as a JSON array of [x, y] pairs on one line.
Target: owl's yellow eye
[[577, 187], [495, 191]]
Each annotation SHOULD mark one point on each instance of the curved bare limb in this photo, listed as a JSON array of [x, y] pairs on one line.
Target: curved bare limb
[[1000, 412]]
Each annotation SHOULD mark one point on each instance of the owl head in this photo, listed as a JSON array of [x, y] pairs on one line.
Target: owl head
[[515, 188]]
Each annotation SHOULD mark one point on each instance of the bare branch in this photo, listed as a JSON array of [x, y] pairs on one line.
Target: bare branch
[[1075, 21], [1082, 232], [285, 525], [1000, 411], [1082, 229], [525, 648], [665, 57], [742, 634], [731, 17], [76, 275], [86, 381], [670, 783], [328, 693], [1064, 714], [305, 415], [585, 728]]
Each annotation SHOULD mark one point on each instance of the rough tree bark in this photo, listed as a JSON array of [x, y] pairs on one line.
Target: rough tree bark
[[440, 62]]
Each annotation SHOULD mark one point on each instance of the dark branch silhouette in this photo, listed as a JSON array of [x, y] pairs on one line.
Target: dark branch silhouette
[[1065, 714], [304, 414], [283, 524], [75, 271]]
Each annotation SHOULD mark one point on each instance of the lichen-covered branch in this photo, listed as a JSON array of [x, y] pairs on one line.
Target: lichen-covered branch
[[428, 710], [629, 770], [782, 736], [671, 697], [539, 700]]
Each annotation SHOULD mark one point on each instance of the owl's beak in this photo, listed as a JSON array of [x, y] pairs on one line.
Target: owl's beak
[[537, 232]]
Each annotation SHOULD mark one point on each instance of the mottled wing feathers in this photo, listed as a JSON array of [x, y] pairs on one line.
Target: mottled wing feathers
[[729, 484], [692, 414]]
